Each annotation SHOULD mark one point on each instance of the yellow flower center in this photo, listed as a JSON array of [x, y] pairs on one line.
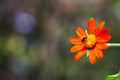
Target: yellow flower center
[[90, 40]]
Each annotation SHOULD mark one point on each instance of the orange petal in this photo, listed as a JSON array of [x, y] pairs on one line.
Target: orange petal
[[91, 25], [92, 57], [76, 48], [103, 38], [75, 40], [102, 45], [80, 32], [80, 54], [100, 26], [103, 32], [98, 52]]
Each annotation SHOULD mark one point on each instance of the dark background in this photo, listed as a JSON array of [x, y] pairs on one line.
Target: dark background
[[34, 39]]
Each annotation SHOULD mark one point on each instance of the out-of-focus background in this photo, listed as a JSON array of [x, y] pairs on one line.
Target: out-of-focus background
[[34, 39]]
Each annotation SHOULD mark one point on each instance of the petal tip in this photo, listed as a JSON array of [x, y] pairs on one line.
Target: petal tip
[[76, 59], [103, 22], [71, 51], [80, 31], [91, 18], [92, 62]]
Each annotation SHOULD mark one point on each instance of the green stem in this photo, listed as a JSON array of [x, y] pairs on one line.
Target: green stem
[[113, 44]]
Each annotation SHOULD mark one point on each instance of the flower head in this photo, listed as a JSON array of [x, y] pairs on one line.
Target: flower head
[[94, 41]]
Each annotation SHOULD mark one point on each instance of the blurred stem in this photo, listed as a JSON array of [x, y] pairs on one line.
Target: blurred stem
[[113, 44]]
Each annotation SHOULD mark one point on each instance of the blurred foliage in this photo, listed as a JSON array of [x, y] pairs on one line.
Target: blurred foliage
[[113, 77]]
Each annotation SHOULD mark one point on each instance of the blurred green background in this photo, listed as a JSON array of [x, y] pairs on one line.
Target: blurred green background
[[34, 39]]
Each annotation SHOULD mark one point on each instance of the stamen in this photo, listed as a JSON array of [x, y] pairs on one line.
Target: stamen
[[90, 40]]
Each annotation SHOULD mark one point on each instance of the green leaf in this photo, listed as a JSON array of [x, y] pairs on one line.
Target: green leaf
[[113, 77]]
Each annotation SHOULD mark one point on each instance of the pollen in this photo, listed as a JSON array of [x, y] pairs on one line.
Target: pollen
[[90, 41]]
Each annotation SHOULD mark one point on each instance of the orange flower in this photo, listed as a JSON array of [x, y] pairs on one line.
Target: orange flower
[[94, 42]]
